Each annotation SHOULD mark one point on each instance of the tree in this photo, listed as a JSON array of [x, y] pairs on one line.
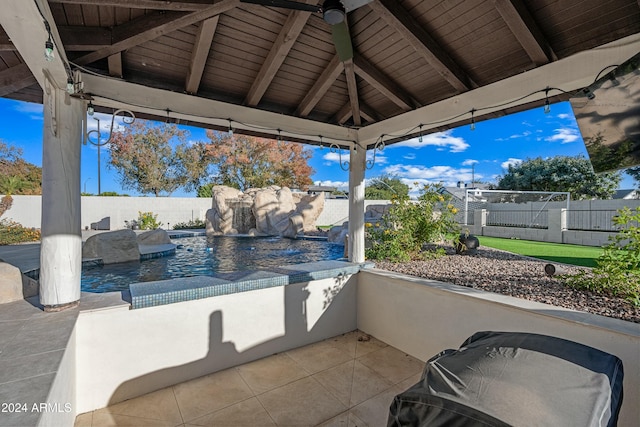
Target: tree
[[18, 176], [246, 162], [205, 190], [560, 173], [148, 159], [386, 187]]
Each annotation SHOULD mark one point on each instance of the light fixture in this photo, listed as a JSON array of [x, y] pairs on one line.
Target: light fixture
[[90, 109], [587, 92], [321, 146], [420, 137], [333, 12], [48, 50], [614, 81], [473, 119], [230, 131], [70, 86], [547, 107]]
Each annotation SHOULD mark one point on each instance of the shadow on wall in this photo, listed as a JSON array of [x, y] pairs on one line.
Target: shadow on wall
[[224, 354]]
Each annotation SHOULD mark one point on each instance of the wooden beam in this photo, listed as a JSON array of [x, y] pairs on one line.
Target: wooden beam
[[384, 84], [176, 5], [127, 36], [115, 65], [352, 86], [16, 78], [200, 53], [524, 27], [344, 113], [320, 87], [286, 38], [402, 22], [74, 38]]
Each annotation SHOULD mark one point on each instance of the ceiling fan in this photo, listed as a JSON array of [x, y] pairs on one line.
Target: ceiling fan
[[333, 12]]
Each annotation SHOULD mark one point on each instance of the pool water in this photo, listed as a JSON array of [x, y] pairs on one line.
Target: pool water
[[205, 256]]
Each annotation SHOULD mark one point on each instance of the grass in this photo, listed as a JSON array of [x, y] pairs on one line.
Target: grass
[[556, 252]]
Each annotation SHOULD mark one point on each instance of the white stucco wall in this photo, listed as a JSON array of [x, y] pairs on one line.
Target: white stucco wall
[[124, 353], [423, 317]]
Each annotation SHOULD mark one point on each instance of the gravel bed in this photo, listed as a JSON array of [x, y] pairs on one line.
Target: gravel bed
[[518, 276]]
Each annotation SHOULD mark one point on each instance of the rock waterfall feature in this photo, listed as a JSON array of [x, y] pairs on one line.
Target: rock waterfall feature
[[270, 211]]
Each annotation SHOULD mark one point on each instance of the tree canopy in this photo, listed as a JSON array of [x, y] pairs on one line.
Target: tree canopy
[[18, 176], [560, 173], [157, 159], [386, 188], [246, 162]]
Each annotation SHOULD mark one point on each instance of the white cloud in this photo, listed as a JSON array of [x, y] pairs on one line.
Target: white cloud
[[409, 156], [340, 185], [469, 162], [331, 157], [34, 111], [564, 116], [564, 135], [421, 175], [510, 162], [443, 140]]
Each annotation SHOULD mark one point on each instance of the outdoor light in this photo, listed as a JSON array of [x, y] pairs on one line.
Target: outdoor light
[[230, 131], [420, 137], [588, 93], [48, 50], [333, 12], [90, 109], [321, 146], [473, 120], [547, 107], [70, 86]]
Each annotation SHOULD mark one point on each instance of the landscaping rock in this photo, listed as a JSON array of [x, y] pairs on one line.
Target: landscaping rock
[[10, 283], [112, 247], [154, 237]]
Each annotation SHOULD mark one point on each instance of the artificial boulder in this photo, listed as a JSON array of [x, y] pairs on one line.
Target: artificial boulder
[[112, 247], [154, 237], [270, 211], [10, 283]]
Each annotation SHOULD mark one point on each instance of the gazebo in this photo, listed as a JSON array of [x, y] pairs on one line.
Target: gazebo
[[354, 75]]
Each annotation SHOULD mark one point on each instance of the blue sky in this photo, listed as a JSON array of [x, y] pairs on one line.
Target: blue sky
[[455, 155]]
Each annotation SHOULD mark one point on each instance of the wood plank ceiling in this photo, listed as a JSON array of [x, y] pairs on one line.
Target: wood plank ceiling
[[407, 53]]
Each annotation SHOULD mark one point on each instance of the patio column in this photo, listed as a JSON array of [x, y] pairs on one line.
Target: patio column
[[357, 162], [61, 242]]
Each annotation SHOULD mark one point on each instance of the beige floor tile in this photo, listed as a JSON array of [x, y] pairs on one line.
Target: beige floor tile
[[357, 343], [375, 411], [246, 413], [104, 418], [346, 419], [271, 372], [84, 420], [301, 403], [352, 382], [210, 393], [319, 356], [392, 364], [159, 405]]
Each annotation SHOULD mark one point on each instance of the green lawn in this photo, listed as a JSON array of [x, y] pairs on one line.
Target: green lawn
[[555, 252]]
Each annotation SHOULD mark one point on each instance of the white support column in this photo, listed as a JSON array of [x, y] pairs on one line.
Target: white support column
[[61, 243], [357, 162]]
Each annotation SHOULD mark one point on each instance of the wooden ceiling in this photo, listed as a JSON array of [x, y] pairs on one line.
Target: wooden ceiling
[[407, 54]]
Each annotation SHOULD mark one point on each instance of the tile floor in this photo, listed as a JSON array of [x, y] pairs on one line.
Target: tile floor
[[349, 380]]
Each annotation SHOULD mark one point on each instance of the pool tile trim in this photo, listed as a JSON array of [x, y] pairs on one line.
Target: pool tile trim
[[153, 294]]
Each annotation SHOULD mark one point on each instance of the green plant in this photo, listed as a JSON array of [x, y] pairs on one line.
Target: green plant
[[191, 224], [618, 268], [409, 226], [12, 232], [148, 221]]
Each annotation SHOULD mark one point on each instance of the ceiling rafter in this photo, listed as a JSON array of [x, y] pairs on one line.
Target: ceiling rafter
[[526, 30], [383, 84], [352, 86], [320, 87], [139, 31], [115, 65], [201, 47], [420, 40], [74, 38], [284, 42], [176, 5], [345, 113], [15, 78]]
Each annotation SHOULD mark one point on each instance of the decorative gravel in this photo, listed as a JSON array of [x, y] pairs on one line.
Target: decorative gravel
[[518, 276]]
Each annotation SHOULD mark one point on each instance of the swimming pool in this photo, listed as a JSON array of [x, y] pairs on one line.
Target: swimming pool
[[205, 256]]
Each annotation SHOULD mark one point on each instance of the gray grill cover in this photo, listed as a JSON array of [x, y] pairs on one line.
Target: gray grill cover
[[514, 379]]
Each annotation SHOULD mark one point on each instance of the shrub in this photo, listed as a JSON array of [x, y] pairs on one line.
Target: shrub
[[148, 221], [193, 223], [618, 268], [410, 225], [12, 232]]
